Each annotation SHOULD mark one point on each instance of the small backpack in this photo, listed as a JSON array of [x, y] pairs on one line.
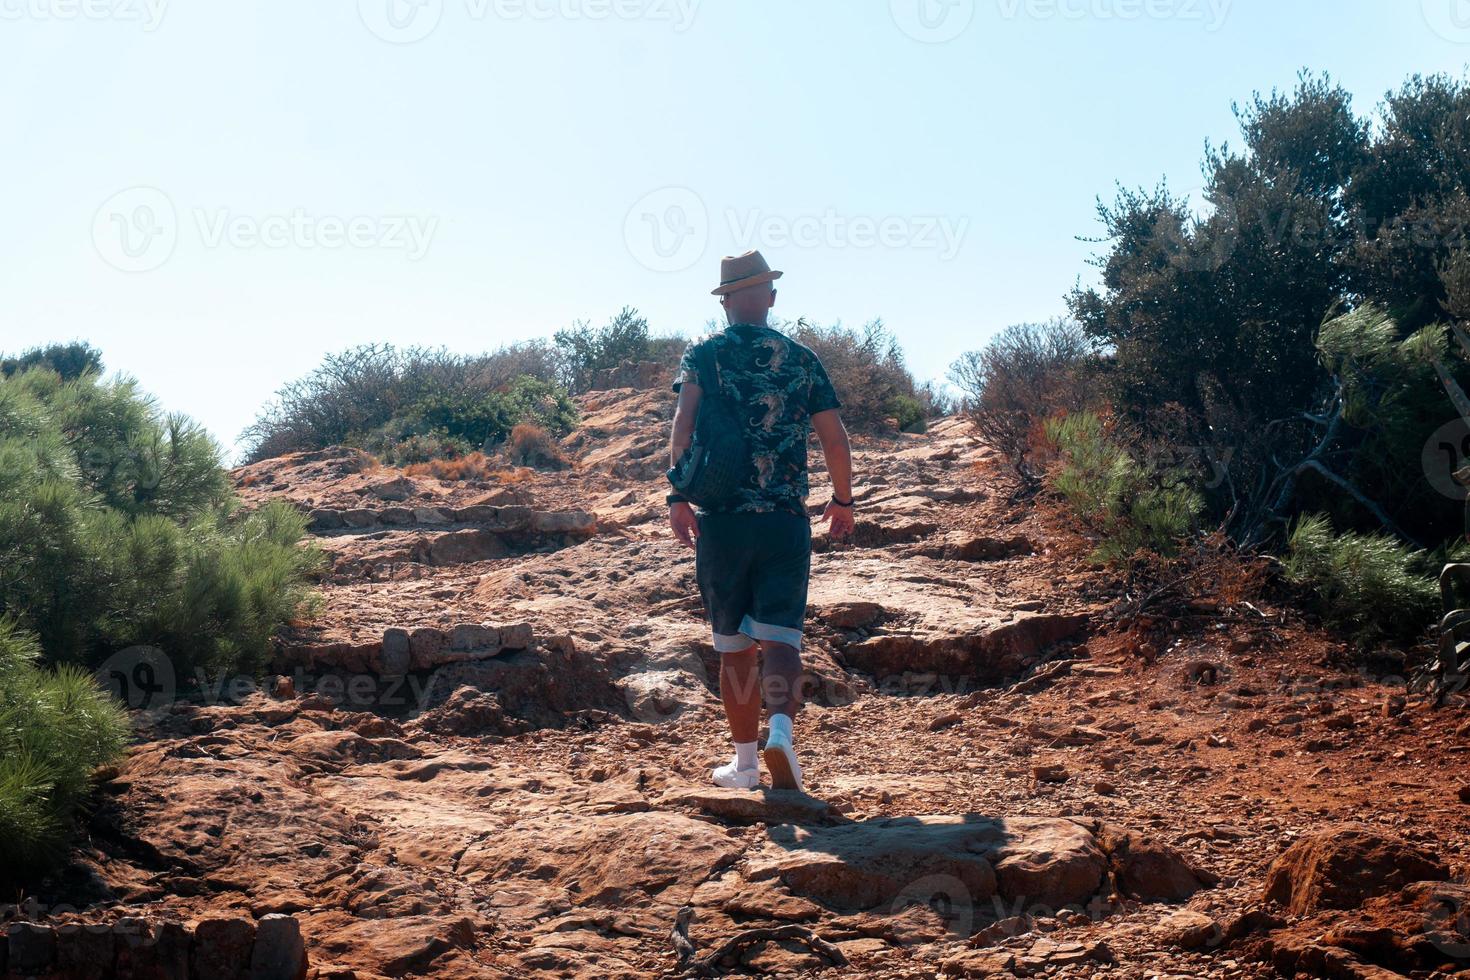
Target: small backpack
[[717, 464]]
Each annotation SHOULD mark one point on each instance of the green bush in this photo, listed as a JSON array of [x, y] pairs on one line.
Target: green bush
[[56, 728], [866, 368], [402, 405], [1130, 506], [1368, 584], [583, 351], [117, 529], [908, 413], [71, 361]]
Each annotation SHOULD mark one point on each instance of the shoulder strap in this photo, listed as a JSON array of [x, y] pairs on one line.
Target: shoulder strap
[[709, 369]]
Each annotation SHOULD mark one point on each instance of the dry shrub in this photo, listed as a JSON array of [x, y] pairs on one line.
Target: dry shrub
[[1026, 375], [531, 445], [867, 370], [474, 466]]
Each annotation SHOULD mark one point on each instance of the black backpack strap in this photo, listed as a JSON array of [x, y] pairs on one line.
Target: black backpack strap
[[709, 369]]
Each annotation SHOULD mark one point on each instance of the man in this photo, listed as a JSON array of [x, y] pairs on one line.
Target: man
[[753, 557]]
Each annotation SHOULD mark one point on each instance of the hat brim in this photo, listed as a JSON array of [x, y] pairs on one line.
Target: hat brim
[[731, 287]]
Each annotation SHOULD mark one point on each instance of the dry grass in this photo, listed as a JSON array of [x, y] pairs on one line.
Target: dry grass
[[475, 466], [531, 445]]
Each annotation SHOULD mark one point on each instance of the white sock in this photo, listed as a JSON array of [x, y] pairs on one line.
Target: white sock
[[745, 755], [780, 730]]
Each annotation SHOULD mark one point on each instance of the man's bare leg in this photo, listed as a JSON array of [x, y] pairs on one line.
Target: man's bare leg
[[782, 684], [740, 690]]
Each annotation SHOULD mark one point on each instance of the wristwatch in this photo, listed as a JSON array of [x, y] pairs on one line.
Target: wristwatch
[[842, 503], [675, 498]]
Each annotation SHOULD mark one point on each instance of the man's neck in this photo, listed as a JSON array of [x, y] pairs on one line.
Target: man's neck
[[763, 321]]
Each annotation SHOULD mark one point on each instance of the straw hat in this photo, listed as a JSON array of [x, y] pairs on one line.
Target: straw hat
[[739, 271]]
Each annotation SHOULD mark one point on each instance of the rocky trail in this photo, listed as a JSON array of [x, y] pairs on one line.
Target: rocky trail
[[488, 757]]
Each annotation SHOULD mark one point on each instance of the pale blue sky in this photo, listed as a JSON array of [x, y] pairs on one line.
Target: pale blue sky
[[495, 169]]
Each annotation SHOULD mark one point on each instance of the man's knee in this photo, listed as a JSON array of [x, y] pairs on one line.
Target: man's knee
[[782, 654], [739, 658]]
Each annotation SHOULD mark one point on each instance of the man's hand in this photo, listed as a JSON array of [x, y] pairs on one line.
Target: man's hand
[[839, 520], [684, 523]]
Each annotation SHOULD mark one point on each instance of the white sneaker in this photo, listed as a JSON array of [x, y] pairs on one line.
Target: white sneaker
[[732, 778], [781, 762]]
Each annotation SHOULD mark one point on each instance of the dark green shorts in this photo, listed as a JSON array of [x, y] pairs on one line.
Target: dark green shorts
[[752, 571]]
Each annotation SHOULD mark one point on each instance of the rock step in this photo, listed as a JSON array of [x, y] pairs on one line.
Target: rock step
[[568, 523], [405, 649], [270, 948]]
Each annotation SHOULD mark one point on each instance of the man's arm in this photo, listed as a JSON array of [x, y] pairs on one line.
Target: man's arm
[[681, 515], [838, 451], [685, 412]]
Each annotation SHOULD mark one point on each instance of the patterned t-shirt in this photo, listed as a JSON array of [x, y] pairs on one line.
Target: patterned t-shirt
[[780, 384]]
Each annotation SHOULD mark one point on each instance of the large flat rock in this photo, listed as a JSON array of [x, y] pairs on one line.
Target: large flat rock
[[1021, 861]]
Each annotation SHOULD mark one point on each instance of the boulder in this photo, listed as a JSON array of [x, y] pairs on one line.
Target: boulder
[[516, 636], [469, 713], [397, 490], [570, 522], [1048, 863], [474, 636], [1030, 861], [222, 948], [745, 807], [849, 615], [1341, 867], [323, 519], [994, 653], [32, 947], [1150, 870], [359, 517], [396, 516], [397, 654], [514, 518], [279, 952], [1188, 929], [152, 949], [83, 952], [460, 547], [424, 643]]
